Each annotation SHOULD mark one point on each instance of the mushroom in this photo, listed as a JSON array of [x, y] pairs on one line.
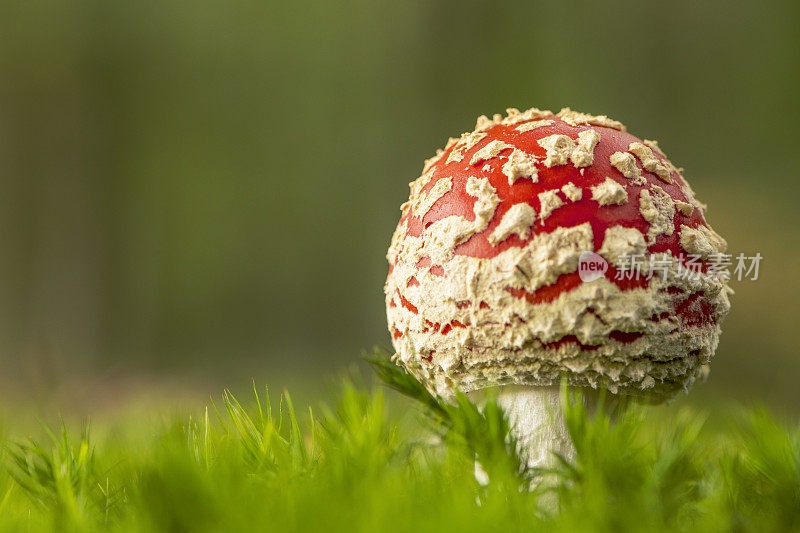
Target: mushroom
[[485, 288]]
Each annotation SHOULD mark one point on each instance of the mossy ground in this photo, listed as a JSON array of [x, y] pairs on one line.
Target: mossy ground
[[363, 464]]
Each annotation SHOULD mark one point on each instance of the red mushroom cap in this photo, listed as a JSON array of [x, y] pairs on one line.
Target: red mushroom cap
[[484, 285]]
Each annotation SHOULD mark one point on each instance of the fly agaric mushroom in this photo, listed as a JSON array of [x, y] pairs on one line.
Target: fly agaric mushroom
[[484, 288]]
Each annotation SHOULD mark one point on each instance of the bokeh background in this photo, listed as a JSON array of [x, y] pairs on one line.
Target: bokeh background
[[197, 194]]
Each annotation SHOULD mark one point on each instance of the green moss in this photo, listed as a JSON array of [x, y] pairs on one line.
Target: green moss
[[363, 464]]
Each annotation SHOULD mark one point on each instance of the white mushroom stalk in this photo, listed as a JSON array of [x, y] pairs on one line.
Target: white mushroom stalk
[[537, 423]]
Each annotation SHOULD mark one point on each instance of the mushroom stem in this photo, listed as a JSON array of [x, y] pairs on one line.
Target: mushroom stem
[[537, 423]]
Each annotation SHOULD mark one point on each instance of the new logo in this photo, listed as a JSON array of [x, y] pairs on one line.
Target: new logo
[[591, 266]]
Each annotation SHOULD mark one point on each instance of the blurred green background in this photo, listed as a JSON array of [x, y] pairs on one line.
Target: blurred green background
[[195, 194]]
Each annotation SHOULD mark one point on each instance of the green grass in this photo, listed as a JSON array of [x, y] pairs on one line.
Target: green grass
[[368, 464]]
